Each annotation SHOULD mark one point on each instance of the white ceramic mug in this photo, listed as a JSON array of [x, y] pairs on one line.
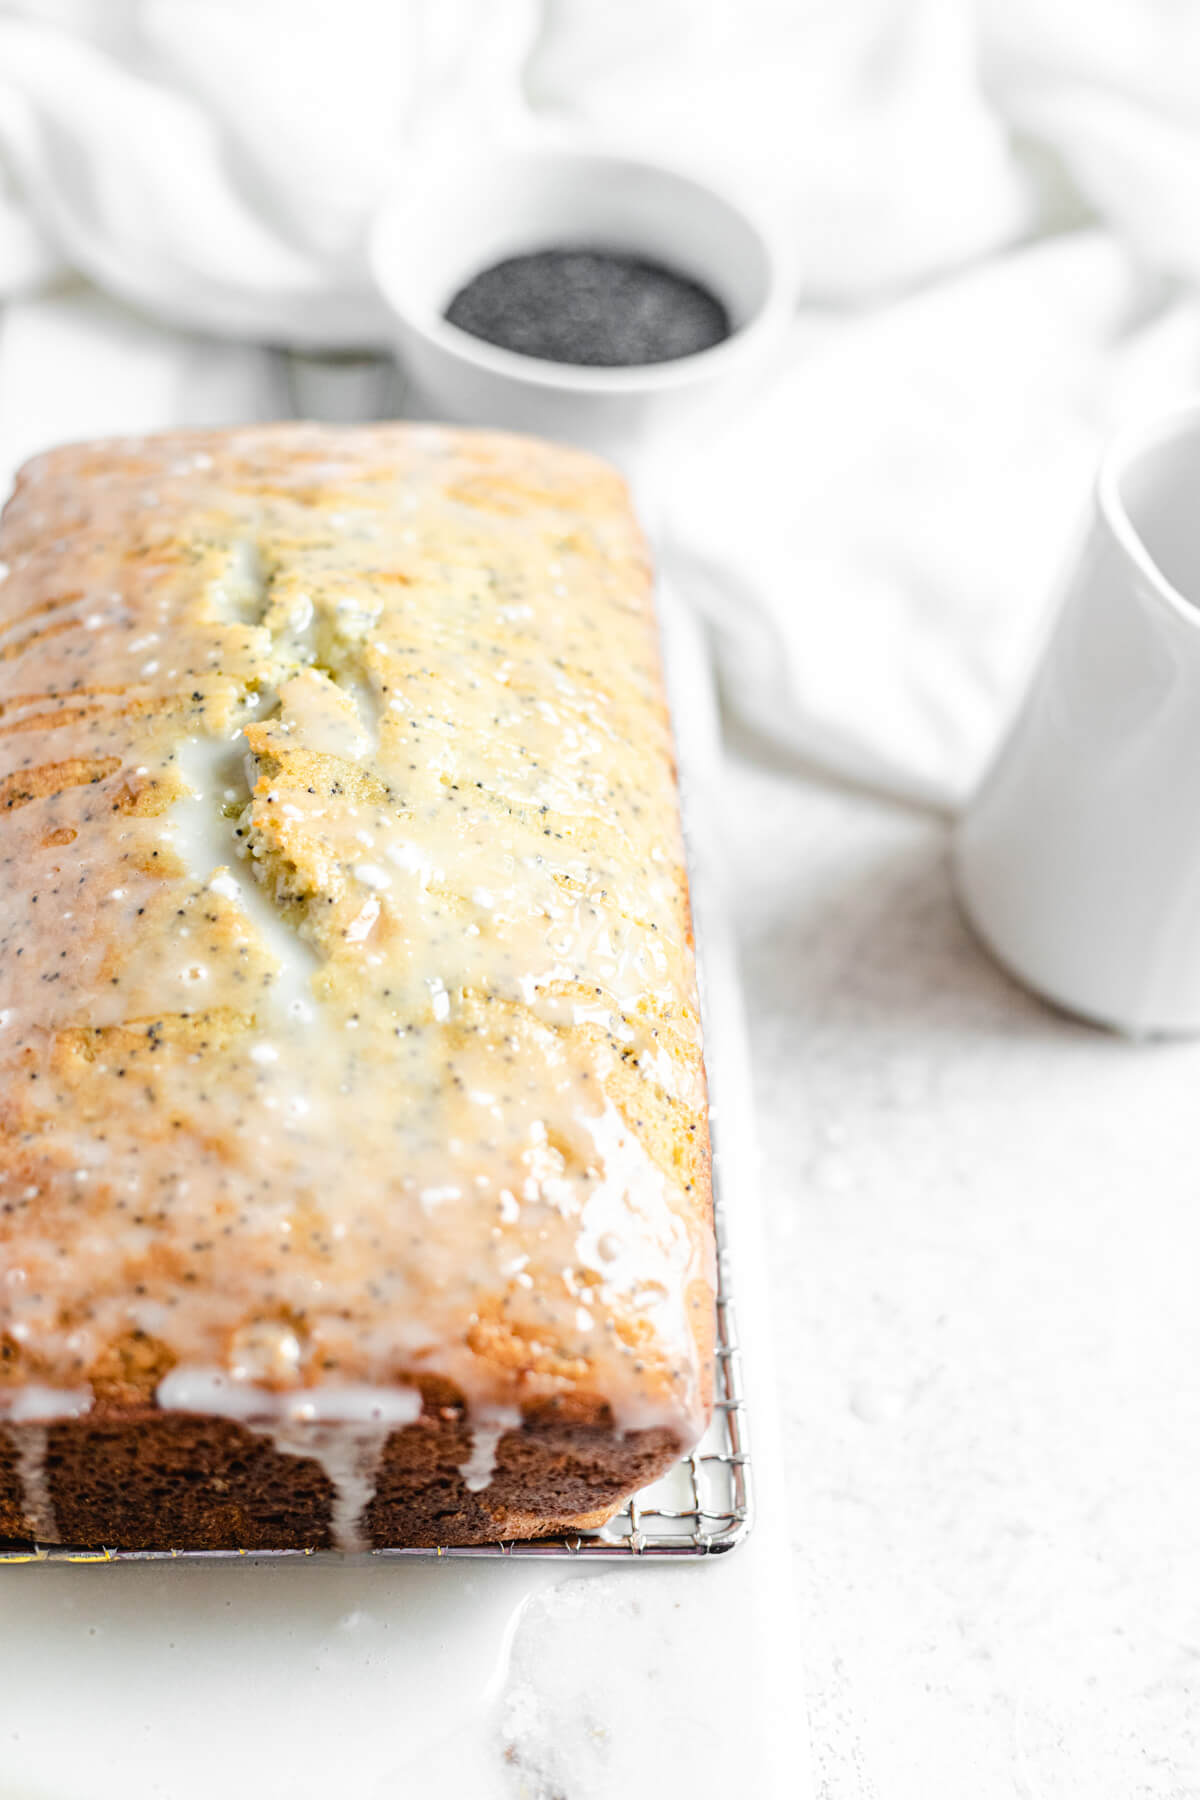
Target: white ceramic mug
[[1079, 858]]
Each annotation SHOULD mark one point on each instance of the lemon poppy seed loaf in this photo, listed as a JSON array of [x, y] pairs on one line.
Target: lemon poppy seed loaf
[[354, 1177]]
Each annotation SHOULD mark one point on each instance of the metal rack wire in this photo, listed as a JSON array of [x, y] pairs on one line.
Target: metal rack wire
[[706, 1503]]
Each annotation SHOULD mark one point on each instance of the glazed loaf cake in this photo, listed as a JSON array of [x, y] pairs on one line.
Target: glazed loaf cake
[[354, 1177]]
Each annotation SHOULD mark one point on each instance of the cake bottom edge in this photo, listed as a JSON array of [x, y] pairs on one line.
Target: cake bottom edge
[[150, 1480]]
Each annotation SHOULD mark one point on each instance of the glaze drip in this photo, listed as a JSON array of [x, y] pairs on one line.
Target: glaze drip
[[26, 1414], [349, 1456], [486, 1432], [343, 1429], [31, 1441]]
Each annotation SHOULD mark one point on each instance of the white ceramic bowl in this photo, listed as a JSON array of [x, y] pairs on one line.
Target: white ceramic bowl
[[464, 216]]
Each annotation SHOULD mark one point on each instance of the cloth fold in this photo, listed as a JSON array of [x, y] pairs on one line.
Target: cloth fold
[[878, 536], [993, 210]]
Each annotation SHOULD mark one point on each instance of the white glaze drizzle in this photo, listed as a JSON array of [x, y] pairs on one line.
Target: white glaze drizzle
[[239, 593], [333, 720], [204, 839], [490, 1424], [349, 1456], [36, 1503], [34, 1404], [199, 1388], [343, 1429], [29, 1412]]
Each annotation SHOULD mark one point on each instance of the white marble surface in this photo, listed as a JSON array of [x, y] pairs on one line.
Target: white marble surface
[[984, 1233], [496, 1681]]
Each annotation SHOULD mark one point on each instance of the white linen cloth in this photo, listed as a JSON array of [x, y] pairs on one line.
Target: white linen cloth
[[993, 209]]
